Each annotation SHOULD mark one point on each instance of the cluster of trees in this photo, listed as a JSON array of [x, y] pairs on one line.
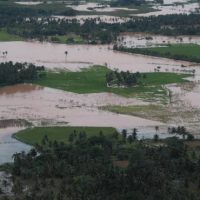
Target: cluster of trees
[[152, 52], [106, 167], [115, 78], [182, 131], [18, 73], [127, 2]]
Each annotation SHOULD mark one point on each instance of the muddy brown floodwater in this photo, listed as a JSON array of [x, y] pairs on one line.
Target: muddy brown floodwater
[[79, 56]]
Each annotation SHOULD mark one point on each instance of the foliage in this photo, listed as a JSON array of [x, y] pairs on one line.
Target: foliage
[[122, 78], [106, 167], [18, 73]]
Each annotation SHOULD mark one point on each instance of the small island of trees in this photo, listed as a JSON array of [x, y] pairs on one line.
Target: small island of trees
[[11, 73], [123, 79]]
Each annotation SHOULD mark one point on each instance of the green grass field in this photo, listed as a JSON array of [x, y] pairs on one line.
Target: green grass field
[[67, 39], [188, 52], [191, 50], [34, 136], [5, 36], [93, 80]]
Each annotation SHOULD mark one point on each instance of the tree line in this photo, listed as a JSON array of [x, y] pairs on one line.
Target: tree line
[[101, 32], [12, 73], [115, 78]]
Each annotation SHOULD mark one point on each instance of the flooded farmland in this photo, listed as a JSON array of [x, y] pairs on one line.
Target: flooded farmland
[[44, 106], [53, 56]]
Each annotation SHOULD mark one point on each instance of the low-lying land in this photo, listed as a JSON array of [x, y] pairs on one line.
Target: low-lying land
[[170, 113], [187, 52], [93, 80], [35, 135]]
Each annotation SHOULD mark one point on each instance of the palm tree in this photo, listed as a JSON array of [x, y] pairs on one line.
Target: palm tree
[[134, 133], [157, 129], [66, 52]]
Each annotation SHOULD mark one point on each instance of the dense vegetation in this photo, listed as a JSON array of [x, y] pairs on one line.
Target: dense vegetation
[[18, 73], [188, 52], [115, 78], [107, 167], [127, 2], [28, 23]]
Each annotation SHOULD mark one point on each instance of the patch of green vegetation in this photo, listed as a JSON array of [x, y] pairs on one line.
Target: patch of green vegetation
[[188, 52], [35, 135], [93, 80], [67, 39], [5, 36]]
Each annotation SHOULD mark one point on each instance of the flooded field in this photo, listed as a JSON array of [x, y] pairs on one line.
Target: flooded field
[[45, 106], [53, 56], [141, 40]]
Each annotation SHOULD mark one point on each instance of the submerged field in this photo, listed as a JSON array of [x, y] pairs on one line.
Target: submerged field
[[93, 80], [34, 136]]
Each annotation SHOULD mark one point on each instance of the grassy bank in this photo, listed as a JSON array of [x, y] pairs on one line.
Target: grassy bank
[[93, 80], [34, 136], [5, 36], [187, 52]]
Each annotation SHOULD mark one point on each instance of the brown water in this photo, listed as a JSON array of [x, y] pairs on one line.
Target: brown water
[[55, 106], [79, 56]]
